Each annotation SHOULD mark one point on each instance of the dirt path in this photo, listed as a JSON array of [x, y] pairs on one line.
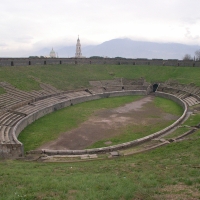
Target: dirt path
[[107, 123]]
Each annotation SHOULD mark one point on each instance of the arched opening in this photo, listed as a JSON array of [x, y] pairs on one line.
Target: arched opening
[[133, 63], [45, 62], [90, 62], [119, 63], [155, 86], [178, 64], [12, 63], [29, 63], [193, 64], [60, 62]]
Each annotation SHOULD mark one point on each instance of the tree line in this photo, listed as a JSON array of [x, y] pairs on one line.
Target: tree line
[[196, 57]]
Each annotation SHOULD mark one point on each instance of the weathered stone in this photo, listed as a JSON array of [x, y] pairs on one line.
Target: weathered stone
[[114, 153]]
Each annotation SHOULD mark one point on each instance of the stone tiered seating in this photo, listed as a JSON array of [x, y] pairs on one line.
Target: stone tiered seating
[[50, 89], [15, 99], [7, 101], [49, 99], [7, 121], [22, 95], [33, 107], [188, 93], [118, 85], [14, 96], [191, 100]]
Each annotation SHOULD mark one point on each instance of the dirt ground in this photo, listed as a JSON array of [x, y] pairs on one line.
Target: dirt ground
[[107, 123]]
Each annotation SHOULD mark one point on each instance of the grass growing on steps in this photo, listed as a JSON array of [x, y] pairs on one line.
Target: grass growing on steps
[[193, 120], [144, 176], [195, 135], [2, 91], [67, 77], [177, 132], [50, 126]]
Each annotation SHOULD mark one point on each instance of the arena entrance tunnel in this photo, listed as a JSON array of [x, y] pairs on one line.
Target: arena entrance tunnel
[[155, 86]]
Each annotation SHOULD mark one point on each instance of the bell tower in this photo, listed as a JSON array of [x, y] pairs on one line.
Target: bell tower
[[78, 53]]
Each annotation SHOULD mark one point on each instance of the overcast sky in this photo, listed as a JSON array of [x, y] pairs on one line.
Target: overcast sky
[[31, 25]]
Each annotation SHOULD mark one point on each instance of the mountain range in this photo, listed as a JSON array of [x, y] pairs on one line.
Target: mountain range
[[128, 48]]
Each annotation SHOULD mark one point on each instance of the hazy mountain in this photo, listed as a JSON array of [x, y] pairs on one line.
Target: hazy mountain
[[129, 49]]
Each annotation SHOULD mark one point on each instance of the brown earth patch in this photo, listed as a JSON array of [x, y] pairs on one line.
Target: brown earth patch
[[177, 192], [107, 123]]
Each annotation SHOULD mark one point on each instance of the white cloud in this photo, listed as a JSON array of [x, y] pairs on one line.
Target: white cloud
[[34, 24]]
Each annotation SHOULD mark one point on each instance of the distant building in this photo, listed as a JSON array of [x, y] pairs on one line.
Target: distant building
[[52, 54], [78, 53]]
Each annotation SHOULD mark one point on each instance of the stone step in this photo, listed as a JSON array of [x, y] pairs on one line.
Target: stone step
[[5, 116], [9, 119], [191, 101], [2, 129], [1, 135], [28, 109], [114, 88]]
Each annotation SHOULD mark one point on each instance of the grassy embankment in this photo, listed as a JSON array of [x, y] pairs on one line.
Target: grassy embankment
[[76, 76], [51, 126], [170, 171]]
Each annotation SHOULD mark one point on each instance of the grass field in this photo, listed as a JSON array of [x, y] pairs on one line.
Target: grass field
[[170, 172], [76, 76]]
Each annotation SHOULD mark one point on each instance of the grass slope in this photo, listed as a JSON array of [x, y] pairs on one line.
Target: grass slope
[[76, 76], [170, 171]]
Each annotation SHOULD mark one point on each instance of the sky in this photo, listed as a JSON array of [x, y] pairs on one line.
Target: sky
[[27, 26]]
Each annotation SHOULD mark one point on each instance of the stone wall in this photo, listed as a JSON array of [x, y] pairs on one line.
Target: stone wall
[[113, 61], [11, 150]]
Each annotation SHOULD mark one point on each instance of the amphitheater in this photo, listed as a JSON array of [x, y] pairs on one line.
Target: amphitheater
[[18, 109]]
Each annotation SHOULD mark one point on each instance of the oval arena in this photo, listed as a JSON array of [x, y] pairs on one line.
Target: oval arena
[[20, 108]]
